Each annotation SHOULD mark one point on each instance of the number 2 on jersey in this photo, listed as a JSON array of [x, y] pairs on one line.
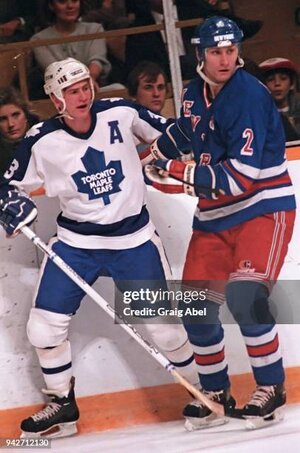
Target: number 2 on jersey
[[247, 150]]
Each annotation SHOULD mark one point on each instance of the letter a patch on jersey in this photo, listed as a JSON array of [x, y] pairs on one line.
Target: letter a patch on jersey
[[99, 180], [115, 133]]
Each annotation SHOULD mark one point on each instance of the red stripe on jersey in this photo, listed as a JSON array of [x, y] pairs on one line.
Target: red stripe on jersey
[[144, 154], [243, 180], [227, 200], [210, 359], [264, 349]]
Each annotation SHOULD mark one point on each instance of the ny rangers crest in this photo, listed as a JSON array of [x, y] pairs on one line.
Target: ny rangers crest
[[100, 180]]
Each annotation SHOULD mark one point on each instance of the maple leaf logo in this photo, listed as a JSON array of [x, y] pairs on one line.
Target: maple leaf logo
[[99, 180], [34, 130]]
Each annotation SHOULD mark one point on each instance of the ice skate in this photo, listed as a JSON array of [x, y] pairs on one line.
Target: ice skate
[[198, 416], [57, 419], [265, 405]]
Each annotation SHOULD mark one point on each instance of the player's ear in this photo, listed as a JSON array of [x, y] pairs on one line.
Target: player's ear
[[57, 103]]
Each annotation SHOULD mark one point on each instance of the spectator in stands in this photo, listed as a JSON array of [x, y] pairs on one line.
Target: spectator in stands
[[112, 15], [280, 75], [15, 120], [63, 16], [17, 20], [147, 85]]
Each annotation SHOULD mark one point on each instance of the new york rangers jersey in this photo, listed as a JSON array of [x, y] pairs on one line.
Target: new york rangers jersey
[[97, 175], [239, 147]]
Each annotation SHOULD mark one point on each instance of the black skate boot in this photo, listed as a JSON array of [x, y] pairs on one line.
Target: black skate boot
[[264, 407], [57, 419], [198, 416]]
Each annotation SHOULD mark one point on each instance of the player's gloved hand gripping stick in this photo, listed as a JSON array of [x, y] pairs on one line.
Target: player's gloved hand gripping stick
[[159, 357], [175, 176]]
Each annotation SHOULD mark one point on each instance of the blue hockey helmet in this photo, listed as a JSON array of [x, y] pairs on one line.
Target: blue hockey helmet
[[216, 31]]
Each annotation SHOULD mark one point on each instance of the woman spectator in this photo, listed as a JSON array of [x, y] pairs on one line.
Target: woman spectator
[[280, 76], [63, 17], [15, 120]]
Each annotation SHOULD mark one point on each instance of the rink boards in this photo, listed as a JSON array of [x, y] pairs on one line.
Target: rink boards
[[108, 364]]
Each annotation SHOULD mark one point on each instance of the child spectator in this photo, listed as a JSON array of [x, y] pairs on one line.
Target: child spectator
[[280, 76]]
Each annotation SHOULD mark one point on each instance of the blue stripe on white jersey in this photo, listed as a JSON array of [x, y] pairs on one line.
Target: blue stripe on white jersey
[[123, 227]]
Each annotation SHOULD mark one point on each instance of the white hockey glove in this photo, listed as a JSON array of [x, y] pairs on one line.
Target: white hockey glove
[[174, 176], [16, 210], [151, 154]]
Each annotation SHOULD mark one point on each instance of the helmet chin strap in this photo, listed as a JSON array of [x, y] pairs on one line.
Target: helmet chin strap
[[62, 111], [199, 70], [65, 114], [204, 77]]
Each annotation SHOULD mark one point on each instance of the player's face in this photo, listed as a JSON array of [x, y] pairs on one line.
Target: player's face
[[220, 63], [152, 94], [13, 122], [279, 83], [78, 99], [65, 10]]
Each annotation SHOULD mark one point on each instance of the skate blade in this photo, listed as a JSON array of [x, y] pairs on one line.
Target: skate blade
[[262, 422], [60, 430], [195, 423]]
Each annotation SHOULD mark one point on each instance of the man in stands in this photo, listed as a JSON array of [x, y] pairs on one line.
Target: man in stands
[[147, 85]]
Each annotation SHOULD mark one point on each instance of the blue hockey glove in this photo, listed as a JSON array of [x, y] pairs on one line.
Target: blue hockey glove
[[16, 210]]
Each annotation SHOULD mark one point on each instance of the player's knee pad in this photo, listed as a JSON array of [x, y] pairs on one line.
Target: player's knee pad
[[203, 333], [196, 325], [248, 302], [47, 329], [167, 337]]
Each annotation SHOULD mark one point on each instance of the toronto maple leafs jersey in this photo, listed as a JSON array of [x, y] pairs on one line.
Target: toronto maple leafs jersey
[[239, 147], [96, 176]]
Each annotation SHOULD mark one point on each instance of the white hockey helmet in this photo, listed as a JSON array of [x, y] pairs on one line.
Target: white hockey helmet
[[64, 73]]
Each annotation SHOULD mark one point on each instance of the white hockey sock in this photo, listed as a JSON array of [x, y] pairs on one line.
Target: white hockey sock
[[56, 364], [173, 341]]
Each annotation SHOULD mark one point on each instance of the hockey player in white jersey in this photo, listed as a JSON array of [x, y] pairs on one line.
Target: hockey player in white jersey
[[86, 156]]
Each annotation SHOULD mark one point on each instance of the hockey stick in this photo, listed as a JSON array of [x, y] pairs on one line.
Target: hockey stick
[[165, 173], [158, 356], [199, 188]]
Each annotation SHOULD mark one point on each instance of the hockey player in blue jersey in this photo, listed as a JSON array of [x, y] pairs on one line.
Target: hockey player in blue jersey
[[86, 156], [244, 219]]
